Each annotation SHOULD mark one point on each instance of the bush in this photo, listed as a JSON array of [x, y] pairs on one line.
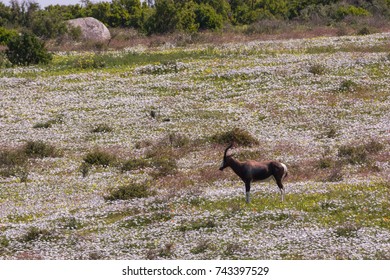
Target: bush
[[49, 123], [13, 162], [39, 149], [207, 17], [134, 164], [35, 233], [102, 128], [89, 62], [317, 69], [27, 49], [360, 153], [6, 35], [129, 191], [165, 165], [347, 85], [99, 157], [353, 154], [345, 11], [237, 135], [4, 62], [12, 157]]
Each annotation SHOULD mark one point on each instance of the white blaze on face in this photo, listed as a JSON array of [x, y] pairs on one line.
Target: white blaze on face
[[222, 164]]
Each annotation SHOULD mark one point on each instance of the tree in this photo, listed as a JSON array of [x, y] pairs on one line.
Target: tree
[[208, 18], [5, 14], [27, 49], [164, 19]]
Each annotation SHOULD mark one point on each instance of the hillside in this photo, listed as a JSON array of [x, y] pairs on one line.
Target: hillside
[[115, 155]]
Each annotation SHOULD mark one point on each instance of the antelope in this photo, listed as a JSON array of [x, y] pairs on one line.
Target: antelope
[[254, 171]]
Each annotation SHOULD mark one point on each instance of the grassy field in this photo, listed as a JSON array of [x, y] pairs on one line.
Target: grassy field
[[115, 155]]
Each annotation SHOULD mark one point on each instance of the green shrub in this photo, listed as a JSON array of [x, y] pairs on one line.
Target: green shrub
[[208, 18], [6, 35], [165, 165], [4, 242], [178, 140], [40, 149], [357, 154], [134, 164], [102, 128], [349, 10], [129, 191], [27, 49], [35, 233], [197, 224], [100, 157], [84, 169], [237, 135], [13, 162], [317, 69], [326, 162], [346, 230], [353, 154], [347, 85], [49, 123], [12, 157], [4, 62], [364, 31], [89, 62]]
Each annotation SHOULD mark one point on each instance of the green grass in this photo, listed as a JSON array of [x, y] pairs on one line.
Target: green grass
[[363, 205]]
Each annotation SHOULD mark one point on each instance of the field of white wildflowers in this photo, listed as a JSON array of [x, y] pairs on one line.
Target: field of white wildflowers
[[321, 106]]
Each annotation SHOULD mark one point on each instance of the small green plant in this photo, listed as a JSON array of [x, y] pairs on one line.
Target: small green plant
[[13, 162], [197, 224], [89, 62], [353, 154], [326, 162], [49, 123], [347, 85], [346, 230], [102, 128], [237, 135], [6, 35], [69, 223], [129, 191], [364, 31], [84, 169], [40, 149], [12, 157], [27, 49], [134, 164], [357, 154], [178, 140], [34, 233], [4, 242], [201, 247], [317, 69], [100, 157], [164, 165]]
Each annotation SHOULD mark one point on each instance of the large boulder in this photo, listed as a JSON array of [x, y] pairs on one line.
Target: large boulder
[[91, 29]]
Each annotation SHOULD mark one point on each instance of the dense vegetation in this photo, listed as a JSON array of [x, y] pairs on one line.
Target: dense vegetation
[[167, 16]]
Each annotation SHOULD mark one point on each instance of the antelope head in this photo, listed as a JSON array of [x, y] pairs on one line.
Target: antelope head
[[224, 163]]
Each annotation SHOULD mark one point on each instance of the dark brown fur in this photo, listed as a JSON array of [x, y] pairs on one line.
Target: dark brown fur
[[252, 171]]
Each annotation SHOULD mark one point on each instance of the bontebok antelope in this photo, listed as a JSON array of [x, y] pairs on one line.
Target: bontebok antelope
[[252, 171]]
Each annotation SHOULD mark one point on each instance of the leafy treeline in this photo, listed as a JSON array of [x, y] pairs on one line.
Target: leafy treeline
[[182, 15]]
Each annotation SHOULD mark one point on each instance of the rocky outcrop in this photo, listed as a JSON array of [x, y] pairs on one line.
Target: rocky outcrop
[[91, 29]]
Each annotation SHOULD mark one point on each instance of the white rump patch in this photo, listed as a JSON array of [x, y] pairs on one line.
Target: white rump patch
[[284, 167]]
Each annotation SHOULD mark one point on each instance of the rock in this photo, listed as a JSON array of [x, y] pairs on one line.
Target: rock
[[91, 29]]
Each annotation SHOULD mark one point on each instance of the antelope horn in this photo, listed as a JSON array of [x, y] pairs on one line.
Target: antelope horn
[[230, 146]]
